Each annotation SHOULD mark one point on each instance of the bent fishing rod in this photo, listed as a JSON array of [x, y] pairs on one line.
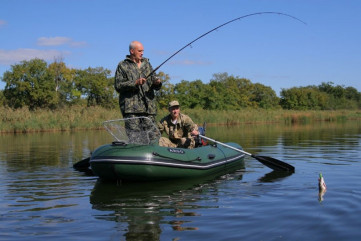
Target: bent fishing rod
[[210, 31]]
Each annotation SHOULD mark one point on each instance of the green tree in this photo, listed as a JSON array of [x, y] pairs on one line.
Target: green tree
[[65, 86], [226, 95], [351, 93], [166, 93], [29, 84], [264, 96], [236, 93], [214, 100], [227, 90], [191, 94], [2, 98], [304, 98], [341, 97], [96, 87], [336, 91]]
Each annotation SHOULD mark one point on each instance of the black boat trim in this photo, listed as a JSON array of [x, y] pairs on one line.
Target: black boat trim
[[161, 162]]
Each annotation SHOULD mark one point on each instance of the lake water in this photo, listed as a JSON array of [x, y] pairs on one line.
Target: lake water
[[43, 198]]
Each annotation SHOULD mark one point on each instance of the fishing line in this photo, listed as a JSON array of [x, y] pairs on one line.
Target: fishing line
[[216, 28]]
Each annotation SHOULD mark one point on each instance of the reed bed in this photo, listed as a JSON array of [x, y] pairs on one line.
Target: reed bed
[[74, 118], [254, 116], [80, 118]]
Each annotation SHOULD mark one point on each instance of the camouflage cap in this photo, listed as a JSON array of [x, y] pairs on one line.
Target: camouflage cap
[[173, 103]]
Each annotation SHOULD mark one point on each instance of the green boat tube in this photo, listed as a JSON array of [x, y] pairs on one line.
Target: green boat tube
[[135, 162], [136, 156]]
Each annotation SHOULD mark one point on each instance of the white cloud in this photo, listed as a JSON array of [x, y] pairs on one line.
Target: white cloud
[[56, 41], [13, 56]]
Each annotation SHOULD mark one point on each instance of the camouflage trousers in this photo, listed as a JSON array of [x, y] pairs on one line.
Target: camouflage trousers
[[141, 130], [182, 142]]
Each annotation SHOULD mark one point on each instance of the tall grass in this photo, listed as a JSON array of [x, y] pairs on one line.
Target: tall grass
[[78, 117]]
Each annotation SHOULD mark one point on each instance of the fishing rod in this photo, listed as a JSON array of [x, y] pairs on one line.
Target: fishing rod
[[244, 16]]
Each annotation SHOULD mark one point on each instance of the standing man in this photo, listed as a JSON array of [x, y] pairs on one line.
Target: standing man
[[179, 127], [136, 92]]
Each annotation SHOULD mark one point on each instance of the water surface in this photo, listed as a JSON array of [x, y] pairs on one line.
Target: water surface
[[43, 198]]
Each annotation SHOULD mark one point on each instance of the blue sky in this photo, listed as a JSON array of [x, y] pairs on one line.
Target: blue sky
[[273, 50]]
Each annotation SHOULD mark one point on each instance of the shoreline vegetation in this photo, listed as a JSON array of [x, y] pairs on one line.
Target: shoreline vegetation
[[91, 118]]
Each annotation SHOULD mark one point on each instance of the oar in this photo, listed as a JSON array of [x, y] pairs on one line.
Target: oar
[[82, 165], [265, 160]]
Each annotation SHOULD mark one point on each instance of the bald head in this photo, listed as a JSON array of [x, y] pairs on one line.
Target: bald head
[[136, 51], [135, 44]]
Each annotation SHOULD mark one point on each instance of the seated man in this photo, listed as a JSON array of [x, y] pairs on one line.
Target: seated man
[[179, 128]]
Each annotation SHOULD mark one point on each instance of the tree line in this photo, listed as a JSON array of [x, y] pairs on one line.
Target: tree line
[[36, 84]]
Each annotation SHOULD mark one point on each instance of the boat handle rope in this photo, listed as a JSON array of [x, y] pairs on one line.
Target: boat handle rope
[[157, 154]]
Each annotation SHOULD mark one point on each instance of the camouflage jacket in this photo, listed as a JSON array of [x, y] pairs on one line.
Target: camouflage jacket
[[135, 99], [182, 128]]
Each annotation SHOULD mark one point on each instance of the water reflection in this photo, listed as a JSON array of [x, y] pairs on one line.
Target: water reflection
[[321, 193], [36, 150], [142, 208], [275, 176], [320, 133]]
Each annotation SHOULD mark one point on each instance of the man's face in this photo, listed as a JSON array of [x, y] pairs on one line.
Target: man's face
[[174, 112], [137, 52]]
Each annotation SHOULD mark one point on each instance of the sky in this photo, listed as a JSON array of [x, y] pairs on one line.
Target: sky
[[273, 50]]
